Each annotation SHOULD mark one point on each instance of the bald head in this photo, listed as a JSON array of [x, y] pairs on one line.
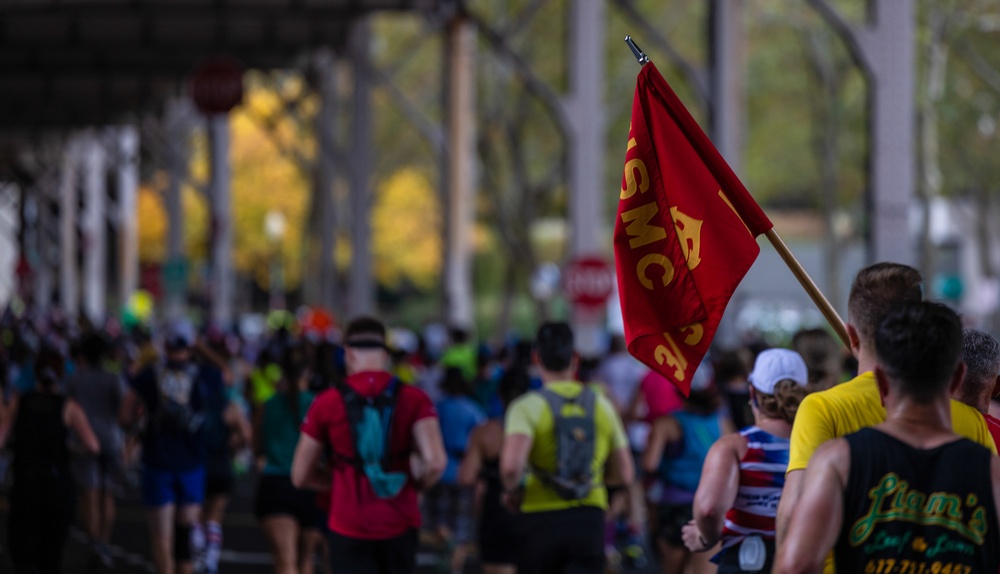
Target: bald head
[[981, 354]]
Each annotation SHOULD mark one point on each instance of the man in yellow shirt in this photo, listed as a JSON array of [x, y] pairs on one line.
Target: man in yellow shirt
[[856, 404], [562, 520]]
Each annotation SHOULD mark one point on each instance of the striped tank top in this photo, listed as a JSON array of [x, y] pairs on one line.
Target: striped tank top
[[762, 476]]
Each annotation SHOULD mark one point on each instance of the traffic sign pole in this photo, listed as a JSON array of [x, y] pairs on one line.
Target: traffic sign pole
[[588, 282]]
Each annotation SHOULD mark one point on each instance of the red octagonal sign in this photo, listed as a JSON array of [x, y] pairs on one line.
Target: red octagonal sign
[[589, 281], [217, 85]]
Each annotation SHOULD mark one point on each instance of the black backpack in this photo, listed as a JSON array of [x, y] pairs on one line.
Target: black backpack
[[370, 420], [575, 436]]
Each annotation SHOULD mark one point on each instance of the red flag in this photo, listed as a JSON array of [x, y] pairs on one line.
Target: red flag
[[685, 234]]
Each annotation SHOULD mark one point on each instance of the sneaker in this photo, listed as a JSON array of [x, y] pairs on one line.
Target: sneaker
[[635, 556], [102, 556], [614, 560]]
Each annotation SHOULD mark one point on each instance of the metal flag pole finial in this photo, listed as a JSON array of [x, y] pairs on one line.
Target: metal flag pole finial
[[640, 56]]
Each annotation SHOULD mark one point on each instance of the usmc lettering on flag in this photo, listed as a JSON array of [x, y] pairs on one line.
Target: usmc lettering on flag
[[646, 231], [682, 241]]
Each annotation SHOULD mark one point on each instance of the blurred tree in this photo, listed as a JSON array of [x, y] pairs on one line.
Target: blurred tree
[[152, 217], [405, 220], [962, 89]]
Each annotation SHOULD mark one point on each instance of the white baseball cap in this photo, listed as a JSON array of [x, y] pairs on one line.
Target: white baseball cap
[[775, 365]]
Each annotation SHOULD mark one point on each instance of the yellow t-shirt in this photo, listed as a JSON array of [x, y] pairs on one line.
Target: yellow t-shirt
[[530, 415], [854, 405]]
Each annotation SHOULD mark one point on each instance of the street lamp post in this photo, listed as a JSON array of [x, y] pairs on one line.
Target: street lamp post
[[274, 229]]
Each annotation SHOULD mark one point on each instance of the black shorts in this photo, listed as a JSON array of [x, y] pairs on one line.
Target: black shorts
[[498, 532], [570, 540], [392, 556], [277, 495], [670, 519], [218, 485], [219, 479]]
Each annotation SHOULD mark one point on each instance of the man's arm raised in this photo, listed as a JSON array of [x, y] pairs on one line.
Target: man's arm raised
[[816, 520]]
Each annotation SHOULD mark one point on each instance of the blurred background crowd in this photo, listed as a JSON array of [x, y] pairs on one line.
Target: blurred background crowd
[[469, 380]]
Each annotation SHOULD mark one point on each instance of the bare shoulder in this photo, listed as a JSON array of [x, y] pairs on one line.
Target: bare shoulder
[[730, 444], [732, 441]]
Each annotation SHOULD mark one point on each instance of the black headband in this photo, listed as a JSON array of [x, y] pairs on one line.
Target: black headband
[[365, 344]]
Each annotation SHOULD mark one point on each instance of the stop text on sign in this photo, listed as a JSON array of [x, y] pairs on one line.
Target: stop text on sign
[[589, 281]]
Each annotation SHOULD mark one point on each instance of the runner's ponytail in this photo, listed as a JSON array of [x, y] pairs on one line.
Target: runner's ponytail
[[784, 403]]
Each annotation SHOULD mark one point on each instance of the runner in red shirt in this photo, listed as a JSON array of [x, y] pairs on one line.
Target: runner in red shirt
[[373, 519], [981, 354]]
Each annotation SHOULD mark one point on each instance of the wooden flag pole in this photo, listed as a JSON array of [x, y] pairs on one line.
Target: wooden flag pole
[[807, 283]]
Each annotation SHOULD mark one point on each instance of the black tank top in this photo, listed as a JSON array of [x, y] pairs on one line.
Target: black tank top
[[492, 503], [39, 439], [919, 511]]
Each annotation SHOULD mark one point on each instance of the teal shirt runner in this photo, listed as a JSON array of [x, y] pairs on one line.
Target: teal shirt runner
[[280, 432]]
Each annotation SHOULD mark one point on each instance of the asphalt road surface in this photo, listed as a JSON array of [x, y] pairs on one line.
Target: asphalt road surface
[[245, 549]]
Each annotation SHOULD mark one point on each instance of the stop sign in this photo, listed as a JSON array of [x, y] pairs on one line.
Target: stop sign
[[217, 85], [589, 281]]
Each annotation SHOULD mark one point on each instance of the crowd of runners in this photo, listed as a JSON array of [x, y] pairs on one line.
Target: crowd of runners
[[366, 442]]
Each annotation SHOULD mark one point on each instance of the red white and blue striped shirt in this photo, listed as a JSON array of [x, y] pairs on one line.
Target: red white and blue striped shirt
[[762, 476]]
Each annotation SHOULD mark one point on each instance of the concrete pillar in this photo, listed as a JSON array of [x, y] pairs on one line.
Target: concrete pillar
[[326, 134], [18, 238], [46, 250], [885, 48], [892, 50], [361, 285], [461, 175], [68, 272], [222, 231], [727, 64], [585, 112], [95, 261], [175, 266], [727, 49], [128, 225]]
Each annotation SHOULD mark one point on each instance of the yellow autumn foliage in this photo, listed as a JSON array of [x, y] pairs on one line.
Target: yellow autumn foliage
[[265, 179], [406, 230], [406, 216], [153, 222]]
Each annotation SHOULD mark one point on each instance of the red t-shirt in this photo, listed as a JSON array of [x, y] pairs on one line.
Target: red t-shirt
[[355, 511], [993, 424]]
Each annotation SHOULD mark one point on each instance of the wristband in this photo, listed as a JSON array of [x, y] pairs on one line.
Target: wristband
[[704, 543]]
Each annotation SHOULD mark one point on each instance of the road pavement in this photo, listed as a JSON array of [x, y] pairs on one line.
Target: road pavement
[[245, 549]]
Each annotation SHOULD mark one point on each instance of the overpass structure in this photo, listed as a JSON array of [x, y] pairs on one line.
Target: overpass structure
[[82, 82]]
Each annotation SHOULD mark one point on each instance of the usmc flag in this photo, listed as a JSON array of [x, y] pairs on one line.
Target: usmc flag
[[685, 234]]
